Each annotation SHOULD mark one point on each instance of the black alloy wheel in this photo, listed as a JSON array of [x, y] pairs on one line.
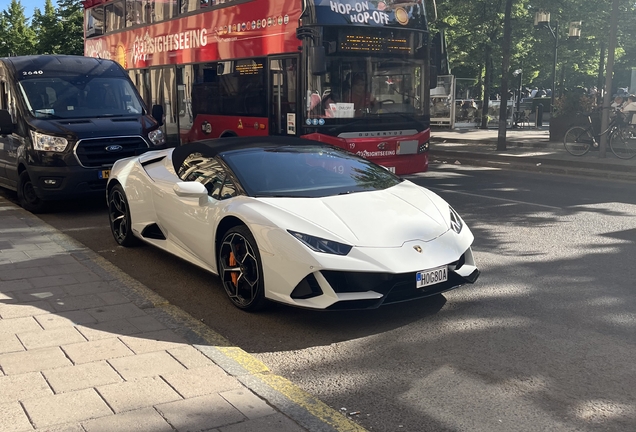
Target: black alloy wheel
[[240, 269], [119, 217], [27, 197]]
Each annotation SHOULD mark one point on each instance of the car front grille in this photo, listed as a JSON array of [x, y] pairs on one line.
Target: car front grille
[[93, 153]]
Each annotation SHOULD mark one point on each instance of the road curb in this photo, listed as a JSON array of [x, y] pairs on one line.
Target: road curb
[[300, 406]]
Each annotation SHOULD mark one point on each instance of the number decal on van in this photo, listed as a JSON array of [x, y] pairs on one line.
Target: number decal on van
[[38, 72]]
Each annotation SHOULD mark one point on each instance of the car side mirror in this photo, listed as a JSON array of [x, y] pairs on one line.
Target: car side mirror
[[6, 123], [157, 114], [192, 189]]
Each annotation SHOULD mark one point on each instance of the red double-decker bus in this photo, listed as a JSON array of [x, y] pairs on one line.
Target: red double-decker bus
[[355, 74]]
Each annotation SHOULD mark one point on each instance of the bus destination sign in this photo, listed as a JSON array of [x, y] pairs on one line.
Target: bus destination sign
[[374, 44]]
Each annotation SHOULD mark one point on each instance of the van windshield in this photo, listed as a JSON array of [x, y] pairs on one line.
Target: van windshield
[[77, 97]]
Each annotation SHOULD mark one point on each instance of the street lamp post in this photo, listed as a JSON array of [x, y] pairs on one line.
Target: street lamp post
[[542, 20], [519, 73]]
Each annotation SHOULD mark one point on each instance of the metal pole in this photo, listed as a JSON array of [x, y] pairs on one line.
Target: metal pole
[[608, 78]]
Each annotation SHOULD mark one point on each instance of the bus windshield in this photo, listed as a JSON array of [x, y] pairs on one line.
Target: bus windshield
[[369, 86], [80, 97]]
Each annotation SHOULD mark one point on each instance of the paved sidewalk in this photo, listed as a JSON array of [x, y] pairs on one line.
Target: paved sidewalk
[[83, 347], [527, 149]]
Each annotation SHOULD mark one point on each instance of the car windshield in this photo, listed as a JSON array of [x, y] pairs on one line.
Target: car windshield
[[306, 171], [80, 96]]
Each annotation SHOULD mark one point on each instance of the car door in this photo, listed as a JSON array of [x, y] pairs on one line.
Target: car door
[[189, 224], [5, 140]]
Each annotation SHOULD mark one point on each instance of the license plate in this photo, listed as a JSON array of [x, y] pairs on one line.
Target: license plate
[[431, 277], [103, 174], [391, 169]]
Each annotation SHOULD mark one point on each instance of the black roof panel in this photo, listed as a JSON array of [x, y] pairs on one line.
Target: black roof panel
[[62, 65]]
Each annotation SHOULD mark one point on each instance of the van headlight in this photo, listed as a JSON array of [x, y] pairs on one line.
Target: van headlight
[[156, 137], [48, 142]]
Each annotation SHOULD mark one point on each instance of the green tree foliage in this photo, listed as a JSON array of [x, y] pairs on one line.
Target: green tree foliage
[[56, 30], [475, 27], [16, 35]]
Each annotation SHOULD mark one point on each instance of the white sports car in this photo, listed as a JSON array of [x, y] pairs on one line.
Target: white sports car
[[293, 221]]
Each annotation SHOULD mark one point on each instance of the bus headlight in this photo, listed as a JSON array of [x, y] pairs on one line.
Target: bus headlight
[[48, 142], [156, 137]]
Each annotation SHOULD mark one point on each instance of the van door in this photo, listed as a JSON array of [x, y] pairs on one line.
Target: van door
[[5, 140], [284, 97]]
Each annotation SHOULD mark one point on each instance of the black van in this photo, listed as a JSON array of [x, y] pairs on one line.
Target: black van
[[64, 121]]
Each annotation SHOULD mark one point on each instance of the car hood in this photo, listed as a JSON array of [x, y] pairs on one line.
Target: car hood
[[386, 218], [82, 128]]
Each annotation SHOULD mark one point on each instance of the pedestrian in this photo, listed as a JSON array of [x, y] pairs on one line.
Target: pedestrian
[[629, 109]]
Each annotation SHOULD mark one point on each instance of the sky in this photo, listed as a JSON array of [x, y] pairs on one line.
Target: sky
[[28, 5]]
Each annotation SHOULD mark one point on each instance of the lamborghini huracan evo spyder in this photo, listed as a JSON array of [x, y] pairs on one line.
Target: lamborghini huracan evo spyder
[[293, 221]]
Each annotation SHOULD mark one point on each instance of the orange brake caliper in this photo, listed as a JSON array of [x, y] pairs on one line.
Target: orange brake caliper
[[234, 275]]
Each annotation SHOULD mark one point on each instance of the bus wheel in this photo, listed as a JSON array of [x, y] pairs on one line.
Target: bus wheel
[[27, 196]]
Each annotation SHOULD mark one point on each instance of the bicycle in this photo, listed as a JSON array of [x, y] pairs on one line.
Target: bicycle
[[579, 140]]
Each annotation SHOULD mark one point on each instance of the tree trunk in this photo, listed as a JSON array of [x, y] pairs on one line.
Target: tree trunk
[[505, 66], [487, 82]]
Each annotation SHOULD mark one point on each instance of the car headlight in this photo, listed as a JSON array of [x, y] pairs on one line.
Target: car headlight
[[318, 244], [456, 223], [48, 142], [156, 137]]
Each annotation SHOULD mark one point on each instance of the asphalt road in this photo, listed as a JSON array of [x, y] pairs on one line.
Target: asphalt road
[[545, 340]]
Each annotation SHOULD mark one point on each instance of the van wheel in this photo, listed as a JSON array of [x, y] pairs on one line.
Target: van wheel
[[27, 197]]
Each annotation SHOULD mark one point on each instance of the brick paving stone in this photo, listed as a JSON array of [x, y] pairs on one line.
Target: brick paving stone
[[116, 312], [49, 281], [146, 323], [64, 319], [71, 378], [50, 338], [140, 393], [5, 298], [190, 357], [35, 294], [14, 257], [201, 381], [142, 420], [54, 260], [107, 329], [12, 247], [18, 325], [14, 285], [12, 274], [68, 303], [73, 427], [18, 310], [248, 403], [87, 276], [14, 418], [272, 423], [103, 349], [9, 344], [23, 386], [113, 298], [88, 288], [149, 364], [60, 269], [45, 254], [200, 414], [33, 360], [160, 340], [66, 408]]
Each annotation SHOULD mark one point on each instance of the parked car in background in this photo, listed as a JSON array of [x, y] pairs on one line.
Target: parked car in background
[[64, 121]]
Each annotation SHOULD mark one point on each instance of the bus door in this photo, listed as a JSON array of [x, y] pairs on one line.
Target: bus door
[[283, 95]]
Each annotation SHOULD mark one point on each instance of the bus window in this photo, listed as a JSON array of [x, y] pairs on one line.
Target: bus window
[[114, 16], [94, 21]]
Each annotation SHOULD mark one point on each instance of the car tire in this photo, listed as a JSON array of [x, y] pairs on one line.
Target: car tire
[[241, 269], [119, 217], [27, 197]]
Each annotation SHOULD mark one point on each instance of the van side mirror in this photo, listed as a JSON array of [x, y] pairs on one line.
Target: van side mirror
[[6, 123], [157, 114], [318, 63]]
